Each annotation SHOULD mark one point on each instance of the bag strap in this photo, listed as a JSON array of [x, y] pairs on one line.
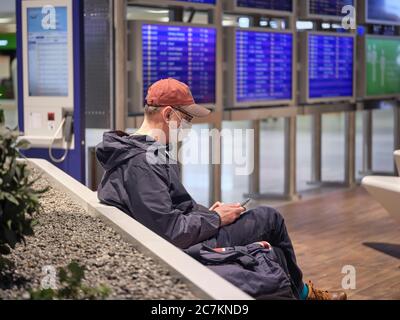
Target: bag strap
[[214, 257]]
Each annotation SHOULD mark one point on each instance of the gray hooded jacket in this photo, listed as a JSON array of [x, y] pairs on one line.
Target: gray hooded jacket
[[151, 193]]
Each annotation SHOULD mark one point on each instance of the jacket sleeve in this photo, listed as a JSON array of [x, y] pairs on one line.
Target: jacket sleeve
[[149, 201]]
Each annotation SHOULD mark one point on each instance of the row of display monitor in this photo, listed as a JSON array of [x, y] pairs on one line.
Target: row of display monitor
[[372, 11], [260, 64]]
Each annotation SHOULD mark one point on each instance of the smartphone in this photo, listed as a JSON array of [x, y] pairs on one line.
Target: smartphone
[[245, 202]]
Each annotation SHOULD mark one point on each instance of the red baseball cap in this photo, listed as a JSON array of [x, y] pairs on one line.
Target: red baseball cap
[[171, 92]]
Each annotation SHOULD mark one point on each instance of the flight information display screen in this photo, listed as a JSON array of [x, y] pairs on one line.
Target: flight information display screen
[[278, 5], [331, 66], [328, 7], [47, 53], [384, 11], [213, 2], [264, 65], [185, 53], [383, 66]]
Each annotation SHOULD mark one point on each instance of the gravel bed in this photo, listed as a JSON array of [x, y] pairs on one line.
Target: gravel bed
[[65, 233]]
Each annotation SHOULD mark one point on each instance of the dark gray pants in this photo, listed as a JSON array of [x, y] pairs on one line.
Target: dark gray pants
[[261, 224]]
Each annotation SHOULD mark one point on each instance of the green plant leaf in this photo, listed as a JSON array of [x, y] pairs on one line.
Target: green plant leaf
[[23, 144], [11, 198], [44, 294], [18, 201]]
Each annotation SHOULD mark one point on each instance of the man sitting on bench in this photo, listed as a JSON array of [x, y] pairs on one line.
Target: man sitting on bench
[[150, 191]]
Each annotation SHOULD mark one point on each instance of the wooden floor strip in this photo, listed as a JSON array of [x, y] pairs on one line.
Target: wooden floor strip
[[335, 230]]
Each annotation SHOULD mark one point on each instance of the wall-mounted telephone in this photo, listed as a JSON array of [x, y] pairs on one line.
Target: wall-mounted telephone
[[50, 129], [67, 126]]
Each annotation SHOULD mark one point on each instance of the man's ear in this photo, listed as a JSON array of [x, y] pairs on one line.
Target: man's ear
[[167, 114]]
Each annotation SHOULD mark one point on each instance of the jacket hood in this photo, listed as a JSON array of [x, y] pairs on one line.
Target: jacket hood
[[118, 147]]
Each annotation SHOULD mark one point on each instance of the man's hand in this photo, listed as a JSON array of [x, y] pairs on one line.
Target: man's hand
[[219, 204], [216, 205], [229, 213]]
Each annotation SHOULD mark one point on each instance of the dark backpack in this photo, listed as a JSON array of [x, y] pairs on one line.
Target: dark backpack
[[258, 271]]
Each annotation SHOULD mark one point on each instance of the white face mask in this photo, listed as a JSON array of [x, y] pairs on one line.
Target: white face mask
[[183, 131]]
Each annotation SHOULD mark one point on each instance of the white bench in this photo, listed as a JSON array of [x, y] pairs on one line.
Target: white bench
[[397, 159], [386, 190]]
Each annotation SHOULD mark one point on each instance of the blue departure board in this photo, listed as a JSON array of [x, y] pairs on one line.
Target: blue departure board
[[264, 65], [331, 65], [213, 2], [383, 11], [328, 7], [278, 5], [185, 53]]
